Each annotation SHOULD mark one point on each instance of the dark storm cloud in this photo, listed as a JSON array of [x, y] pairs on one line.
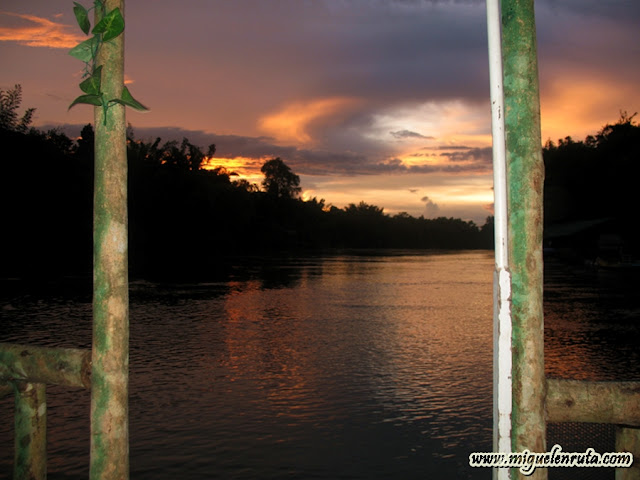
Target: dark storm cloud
[[401, 134], [377, 49], [565, 33], [482, 156], [406, 58], [303, 161], [617, 10], [227, 146], [447, 168], [453, 147]]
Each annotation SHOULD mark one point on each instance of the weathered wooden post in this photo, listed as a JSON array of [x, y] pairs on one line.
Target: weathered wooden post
[[30, 460], [525, 174], [26, 370], [628, 440], [617, 403], [110, 357]]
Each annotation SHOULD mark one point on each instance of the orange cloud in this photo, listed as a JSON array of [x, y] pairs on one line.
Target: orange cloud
[[38, 32], [580, 104], [292, 123]]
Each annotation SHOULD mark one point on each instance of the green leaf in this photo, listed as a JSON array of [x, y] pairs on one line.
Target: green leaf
[[92, 84], [111, 25], [84, 51], [82, 16], [88, 99], [128, 100]]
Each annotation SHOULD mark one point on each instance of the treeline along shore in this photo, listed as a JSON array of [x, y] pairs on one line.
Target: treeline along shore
[[185, 219], [182, 218]]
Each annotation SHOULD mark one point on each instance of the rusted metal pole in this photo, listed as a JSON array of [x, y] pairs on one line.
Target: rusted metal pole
[[525, 173], [110, 358], [53, 366], [30, 460], [628, 440], [597, 402]]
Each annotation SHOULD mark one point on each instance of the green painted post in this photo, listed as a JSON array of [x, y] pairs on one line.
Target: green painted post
[[525, 174], [628, 440], [30, 461], [598, 402], [53, 366], [110, 352]]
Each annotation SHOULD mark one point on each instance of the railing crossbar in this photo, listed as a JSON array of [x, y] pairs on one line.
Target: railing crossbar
[[26, 370]]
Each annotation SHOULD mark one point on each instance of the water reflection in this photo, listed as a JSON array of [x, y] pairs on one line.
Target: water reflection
[[330, 367], [591, 323], [339, 366], [356, 347]]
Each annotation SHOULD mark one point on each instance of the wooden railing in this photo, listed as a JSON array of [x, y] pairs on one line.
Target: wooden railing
[[26, 370], [615, 403]]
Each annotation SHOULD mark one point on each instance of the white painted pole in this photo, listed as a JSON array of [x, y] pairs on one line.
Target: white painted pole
[[502, 362]]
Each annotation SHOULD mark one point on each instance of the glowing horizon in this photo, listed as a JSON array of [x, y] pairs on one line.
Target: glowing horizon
[[396, 114]]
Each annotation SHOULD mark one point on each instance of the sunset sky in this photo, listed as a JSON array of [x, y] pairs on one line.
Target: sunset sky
[[382, 101]]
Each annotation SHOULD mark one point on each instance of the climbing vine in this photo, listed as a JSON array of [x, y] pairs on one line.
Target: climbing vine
[[109, 26]]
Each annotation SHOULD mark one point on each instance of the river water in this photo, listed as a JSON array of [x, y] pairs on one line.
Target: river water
[[341, 366]]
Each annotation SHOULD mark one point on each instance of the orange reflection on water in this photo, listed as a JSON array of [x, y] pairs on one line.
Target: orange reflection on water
[[265, 340], [409, 336]]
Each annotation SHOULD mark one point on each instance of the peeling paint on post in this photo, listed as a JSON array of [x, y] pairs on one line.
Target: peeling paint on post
[[525, 172], [30, 461], [110, 357], [502, 361]]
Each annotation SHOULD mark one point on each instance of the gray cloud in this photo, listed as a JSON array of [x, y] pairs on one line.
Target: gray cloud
[[482, 156], [401, 134], [617, 10], [431, 209], [306, 161], [453, 147], [347, 49]]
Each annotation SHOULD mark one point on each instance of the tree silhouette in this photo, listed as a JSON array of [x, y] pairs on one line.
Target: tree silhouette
[[10, 101], [596, 178], [187, 221], [84, 149], [279, 181], [365, 210], [184, 156]]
